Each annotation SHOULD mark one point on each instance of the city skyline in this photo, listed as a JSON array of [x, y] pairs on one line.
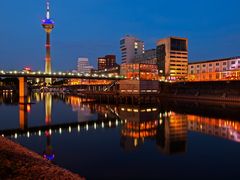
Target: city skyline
[[77, 36]]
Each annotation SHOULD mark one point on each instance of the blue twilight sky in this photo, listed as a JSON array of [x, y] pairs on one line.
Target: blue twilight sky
[[92, 28]]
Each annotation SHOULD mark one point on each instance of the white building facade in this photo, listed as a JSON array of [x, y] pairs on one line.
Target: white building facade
[[130, 48], [214, 70], [83, 65]]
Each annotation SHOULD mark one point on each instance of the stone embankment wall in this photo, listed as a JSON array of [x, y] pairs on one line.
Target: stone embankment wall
[[217, 91]]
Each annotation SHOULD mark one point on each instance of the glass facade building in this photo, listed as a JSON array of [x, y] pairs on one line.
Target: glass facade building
[[107, 62]]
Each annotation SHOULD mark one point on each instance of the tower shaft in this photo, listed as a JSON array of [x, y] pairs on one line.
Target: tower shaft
[[48, 25], [48, 66]]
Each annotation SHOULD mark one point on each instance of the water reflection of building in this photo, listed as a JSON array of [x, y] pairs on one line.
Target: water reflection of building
[[86, 110], [172, 133], [217, 127], [140, 123], [169, 129]]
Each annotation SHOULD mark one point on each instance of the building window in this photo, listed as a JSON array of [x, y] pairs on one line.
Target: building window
[[204, 65], [178, 44], [210, 65], [224, 63], [122, 41], [233, 62], [210, 76]]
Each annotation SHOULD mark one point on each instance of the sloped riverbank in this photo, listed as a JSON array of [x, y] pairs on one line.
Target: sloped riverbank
[[17, 162]]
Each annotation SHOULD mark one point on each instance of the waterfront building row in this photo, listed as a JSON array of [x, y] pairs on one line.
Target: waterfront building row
[[168, 61], [215, 70], [170, 56]]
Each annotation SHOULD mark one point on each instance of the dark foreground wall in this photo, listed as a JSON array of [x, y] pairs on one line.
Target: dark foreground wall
[[17, 162]]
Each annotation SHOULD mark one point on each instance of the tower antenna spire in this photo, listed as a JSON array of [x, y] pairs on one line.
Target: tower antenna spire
[[48, 9]]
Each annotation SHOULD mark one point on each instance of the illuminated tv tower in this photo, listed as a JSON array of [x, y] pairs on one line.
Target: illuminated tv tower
[[48, 25]]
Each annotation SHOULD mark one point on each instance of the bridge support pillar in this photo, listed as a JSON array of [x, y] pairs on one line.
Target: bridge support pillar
[[22, 89], [23, 106]]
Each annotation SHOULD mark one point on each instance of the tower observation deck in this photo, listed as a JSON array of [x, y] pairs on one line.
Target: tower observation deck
[[48, 25]]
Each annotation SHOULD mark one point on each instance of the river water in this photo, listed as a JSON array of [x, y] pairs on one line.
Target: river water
[[170, 140]]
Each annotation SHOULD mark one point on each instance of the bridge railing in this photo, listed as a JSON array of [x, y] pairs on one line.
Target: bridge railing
[[57, 74]]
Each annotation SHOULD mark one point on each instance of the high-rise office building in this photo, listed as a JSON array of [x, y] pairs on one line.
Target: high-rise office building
[[107, 62], [172, 58], [130, 48], [83, 65]]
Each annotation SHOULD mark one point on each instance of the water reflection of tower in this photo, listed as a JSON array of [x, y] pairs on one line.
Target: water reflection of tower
[[48, 25], [48, 153], [48, 108], [172, 133]]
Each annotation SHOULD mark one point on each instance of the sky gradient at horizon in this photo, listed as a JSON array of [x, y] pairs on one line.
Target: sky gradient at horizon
[[93, 28]]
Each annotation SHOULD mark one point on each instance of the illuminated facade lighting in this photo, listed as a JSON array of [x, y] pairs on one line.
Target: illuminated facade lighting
[[48, 25], [172, 58], [215, 70], [107, 62]]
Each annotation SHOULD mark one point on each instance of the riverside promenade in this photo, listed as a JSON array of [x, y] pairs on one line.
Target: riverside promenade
[[18, 162]]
